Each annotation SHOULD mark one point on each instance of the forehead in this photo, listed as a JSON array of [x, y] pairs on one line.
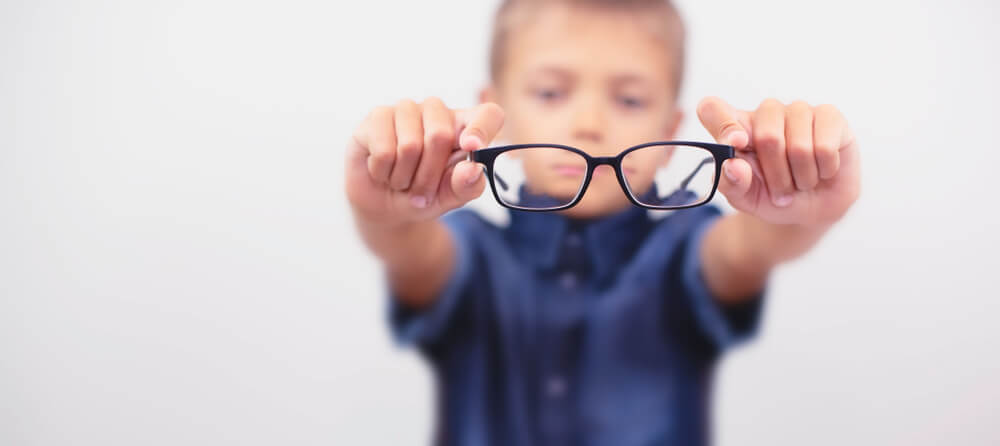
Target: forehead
[[588, 42]]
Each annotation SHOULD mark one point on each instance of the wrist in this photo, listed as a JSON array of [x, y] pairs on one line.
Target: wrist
[[775, 243], [396, 242]]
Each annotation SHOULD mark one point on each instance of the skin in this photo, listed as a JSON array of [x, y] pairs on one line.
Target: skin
[[795, 175]]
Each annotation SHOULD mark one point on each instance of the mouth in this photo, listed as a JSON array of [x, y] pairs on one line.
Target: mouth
[[569, 170]]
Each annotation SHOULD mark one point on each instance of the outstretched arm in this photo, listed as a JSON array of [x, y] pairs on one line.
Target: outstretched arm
[[796, 173], [399, 181]]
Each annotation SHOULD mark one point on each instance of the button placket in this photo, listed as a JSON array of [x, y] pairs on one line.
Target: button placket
[[556, 386], [568, 281]]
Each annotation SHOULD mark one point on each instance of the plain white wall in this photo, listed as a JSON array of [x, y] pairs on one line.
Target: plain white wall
[[178, 266]]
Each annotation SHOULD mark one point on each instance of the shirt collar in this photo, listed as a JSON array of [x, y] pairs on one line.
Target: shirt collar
[[608, 241]]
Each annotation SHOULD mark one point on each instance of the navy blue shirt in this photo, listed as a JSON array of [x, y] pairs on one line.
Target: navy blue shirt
[[554, 331]]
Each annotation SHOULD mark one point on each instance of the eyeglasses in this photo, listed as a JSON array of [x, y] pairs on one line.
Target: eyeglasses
[[552, 177]]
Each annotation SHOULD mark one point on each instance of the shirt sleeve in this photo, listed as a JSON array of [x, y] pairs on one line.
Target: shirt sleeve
[[426, 326], [723, 325]]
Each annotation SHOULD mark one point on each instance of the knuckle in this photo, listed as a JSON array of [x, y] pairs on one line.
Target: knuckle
[[829, 167], [476, 131], [729, 126], [405, 104], [799, 109], [381, 112], [828, 113], [409, 149], [357, 135], [440, 138], [383, 157], [799, 105], [771, 103], [799, 149], [827, 109], [769, 140], [433, 101], [824, 148], [383, 148]]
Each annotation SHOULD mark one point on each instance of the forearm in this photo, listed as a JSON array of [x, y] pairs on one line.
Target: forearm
[[740, 250], [418, 258]]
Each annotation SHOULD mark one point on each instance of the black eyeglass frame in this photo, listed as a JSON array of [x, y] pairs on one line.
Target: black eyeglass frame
[[488, 155]]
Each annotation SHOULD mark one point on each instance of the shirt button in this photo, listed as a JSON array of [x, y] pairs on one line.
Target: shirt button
[[568, 281], [573, 240], [555, 387]]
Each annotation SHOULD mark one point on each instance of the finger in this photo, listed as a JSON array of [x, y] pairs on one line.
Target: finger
[[769, 144], [737, 177], [726, 124], [409, 144], [380, 140], [479, 125], [439, 141], [463, 182], [829, 135], [799, 144]]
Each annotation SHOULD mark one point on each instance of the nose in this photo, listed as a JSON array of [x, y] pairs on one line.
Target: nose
[[589, 120]]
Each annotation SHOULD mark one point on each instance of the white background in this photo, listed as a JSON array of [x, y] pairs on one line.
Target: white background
[[178, 266]]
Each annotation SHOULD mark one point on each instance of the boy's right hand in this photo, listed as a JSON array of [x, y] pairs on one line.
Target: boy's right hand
[[401, 160]]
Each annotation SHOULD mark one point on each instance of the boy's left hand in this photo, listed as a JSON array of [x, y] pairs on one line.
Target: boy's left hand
[[795, 164]]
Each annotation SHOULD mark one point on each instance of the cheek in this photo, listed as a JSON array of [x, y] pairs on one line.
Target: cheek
[[528, 122], [538, 176], [641, 126], [641, 167]]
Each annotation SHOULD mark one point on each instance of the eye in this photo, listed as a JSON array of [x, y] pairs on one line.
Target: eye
[[548, 94], [631, 102]]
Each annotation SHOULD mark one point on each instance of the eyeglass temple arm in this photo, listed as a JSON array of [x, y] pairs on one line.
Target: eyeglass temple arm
[[460, 155], [684, 184]]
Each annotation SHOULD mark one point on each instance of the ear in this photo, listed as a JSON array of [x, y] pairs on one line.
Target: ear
[[673, 123], [670, 132], [489, 93]]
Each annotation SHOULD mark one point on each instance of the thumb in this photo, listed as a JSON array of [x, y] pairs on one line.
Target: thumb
[[737, 178], [462, 183], [478, 126]]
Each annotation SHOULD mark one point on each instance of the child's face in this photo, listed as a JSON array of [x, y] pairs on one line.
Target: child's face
[[597, 80]]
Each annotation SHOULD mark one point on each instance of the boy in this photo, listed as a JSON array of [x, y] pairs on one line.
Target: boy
[[595, 324]]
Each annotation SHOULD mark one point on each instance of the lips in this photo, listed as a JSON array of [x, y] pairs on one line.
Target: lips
[[569, 170]]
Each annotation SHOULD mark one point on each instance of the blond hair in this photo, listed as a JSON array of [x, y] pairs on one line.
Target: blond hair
[[661, 15]]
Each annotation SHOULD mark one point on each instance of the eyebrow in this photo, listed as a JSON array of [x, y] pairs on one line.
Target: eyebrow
[[553, 70], [616, 79], [630, 78]]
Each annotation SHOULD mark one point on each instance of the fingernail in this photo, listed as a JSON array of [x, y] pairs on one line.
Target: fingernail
[[472, 141], [728, 168], [783, 200], [418, 201], [474, 177], [733, 135]]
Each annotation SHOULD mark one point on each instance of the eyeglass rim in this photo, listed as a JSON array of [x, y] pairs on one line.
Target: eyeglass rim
[[487, 156]]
